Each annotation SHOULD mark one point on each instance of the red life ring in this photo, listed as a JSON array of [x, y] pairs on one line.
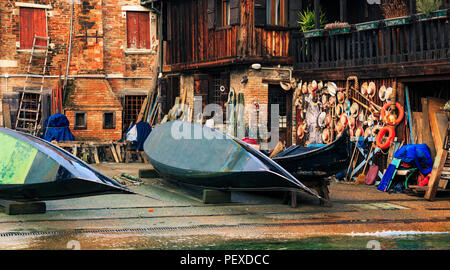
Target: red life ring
[[391, 131], [385, 117]]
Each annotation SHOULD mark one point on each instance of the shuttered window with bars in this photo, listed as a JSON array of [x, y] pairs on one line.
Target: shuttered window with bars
[[32, 22]]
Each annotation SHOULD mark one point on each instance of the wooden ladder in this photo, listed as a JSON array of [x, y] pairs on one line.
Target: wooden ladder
[[28, 114]]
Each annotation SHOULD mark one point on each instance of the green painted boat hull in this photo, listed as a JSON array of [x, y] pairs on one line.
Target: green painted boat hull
[[34, 169]]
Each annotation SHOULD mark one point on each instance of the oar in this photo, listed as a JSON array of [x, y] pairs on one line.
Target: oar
[[351, 160]]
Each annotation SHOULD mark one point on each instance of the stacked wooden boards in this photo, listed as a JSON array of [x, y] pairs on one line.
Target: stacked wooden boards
[[430, 127]]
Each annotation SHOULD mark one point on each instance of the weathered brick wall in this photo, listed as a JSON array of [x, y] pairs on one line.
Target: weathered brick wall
[[99, 44]]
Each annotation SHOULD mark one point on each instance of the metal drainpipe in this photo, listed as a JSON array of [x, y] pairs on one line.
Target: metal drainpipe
[[70, 50]]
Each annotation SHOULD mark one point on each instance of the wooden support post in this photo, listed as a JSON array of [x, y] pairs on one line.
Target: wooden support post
[[317, 14], [6, 115], [294, 199], [74, 150], [22, 208], [113, 152], [119, 153], [144, 157], [216, 196], [438, 164], [343, 10], [95, 150]]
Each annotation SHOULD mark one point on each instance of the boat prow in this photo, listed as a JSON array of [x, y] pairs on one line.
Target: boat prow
[[317, 161]]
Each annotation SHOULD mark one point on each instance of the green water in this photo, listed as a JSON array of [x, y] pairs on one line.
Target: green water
[[406, 242]]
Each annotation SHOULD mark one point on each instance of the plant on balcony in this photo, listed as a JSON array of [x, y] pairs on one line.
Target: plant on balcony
[[395, 12], [430, 9], [337, 28], [306, 22]]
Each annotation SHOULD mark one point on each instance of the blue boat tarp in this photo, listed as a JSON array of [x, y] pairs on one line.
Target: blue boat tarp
[[419, 154], [56, 127], [140, 134]]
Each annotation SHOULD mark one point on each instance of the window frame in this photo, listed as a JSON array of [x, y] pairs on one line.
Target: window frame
[[79, 127], [275, 18], [223, 13], [113, 120]]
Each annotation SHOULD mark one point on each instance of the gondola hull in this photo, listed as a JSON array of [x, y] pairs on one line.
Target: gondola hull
[[33, 169], [206, 158], [317, 162]]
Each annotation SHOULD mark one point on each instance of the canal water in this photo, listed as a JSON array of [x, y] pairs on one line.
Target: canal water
[[392, 241]]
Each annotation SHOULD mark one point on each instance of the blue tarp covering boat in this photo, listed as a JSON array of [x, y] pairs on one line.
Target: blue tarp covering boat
[[56, 127]]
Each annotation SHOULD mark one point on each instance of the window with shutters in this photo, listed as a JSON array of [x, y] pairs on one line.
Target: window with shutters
[[138, 30], [276, 12], [223, 12], [32, 22]]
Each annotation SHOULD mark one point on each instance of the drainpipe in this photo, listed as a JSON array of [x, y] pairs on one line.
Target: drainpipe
[[70, 50]]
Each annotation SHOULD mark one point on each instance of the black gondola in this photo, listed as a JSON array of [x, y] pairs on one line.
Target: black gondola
[[197, 155], [32, 169], [317, 162]]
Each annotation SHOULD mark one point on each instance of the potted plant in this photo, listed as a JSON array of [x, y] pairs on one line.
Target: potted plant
[[307, 23], [395, 13], [337, 28], [429, 9]]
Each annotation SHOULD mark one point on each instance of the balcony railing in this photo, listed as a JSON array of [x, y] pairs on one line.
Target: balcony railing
[[400, 40]]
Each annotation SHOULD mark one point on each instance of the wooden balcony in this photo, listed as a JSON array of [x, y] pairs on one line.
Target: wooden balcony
[[229, 45], [381, 45]]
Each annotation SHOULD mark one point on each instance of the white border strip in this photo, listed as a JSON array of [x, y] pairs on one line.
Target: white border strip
[[134, 8]]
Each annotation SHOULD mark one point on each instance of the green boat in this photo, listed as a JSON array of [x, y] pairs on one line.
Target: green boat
[[33, 169], [199, 156]]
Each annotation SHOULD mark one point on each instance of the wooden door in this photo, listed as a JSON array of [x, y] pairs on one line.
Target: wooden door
[[284, 100]]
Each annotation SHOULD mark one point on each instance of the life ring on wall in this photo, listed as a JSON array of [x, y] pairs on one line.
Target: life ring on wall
[[389, 118], [390, 138]]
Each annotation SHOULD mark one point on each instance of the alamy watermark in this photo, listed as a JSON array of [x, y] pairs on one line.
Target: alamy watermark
[[251, 120]]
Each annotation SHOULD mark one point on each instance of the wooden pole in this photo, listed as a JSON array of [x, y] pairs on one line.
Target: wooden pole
[[317, 13], [438, 164], [343, 10]]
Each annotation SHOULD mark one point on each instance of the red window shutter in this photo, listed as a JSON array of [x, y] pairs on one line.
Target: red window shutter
[[132, 29], [40, 28], [138, 30], [26, 28], [144, 30], [32, 22]]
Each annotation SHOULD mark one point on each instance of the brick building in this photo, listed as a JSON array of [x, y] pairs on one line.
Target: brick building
[[211, 45], [109, 57]]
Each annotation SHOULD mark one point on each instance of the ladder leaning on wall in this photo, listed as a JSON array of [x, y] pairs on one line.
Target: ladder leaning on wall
[[29, 111]]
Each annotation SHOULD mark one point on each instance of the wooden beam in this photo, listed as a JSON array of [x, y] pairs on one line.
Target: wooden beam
[[427, 136], [438, 164], [343, 10], [22, 208], [317, 14]]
